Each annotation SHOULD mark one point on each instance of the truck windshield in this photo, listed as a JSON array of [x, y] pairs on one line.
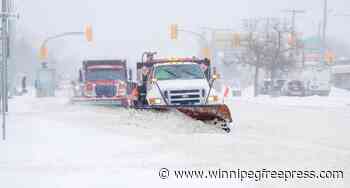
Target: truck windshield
[[106, 74], [179, 71]]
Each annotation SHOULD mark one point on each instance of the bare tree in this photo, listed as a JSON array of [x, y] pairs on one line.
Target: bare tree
[[264, 47]]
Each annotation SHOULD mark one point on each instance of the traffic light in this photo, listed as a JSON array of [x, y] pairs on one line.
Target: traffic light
[[236, 40], [329, 57], [88, 33], [173, 31], [206, 53], [291, 40], [43, 52]]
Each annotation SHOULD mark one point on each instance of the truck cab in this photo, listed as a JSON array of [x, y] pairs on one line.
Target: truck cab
[[179, 82], [103, 81]]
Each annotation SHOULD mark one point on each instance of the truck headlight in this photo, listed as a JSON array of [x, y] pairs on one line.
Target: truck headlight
[[213, 98], [121, 89], [90, 89], [154, 101]]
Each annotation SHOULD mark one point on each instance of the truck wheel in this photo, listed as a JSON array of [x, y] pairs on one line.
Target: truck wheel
[[227, 129], [222, 124]]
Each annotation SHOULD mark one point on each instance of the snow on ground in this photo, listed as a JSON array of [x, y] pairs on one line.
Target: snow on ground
[[337, 98], [54, 144]]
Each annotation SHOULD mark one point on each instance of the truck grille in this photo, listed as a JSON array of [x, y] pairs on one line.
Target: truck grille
[[105, 90], [184, 97]]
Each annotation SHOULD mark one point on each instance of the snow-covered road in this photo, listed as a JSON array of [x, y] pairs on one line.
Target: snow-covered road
[[54, 144]]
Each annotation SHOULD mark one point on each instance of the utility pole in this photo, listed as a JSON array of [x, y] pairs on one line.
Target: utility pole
[[4, 38], [319, 33], [325, 22], [3, 66], [294, 12]]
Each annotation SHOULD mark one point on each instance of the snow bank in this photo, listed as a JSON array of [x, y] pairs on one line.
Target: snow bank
[[248, 92], [337, 98], [336, 92]]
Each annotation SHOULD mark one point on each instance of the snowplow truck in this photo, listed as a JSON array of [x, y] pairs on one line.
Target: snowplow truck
[[103, 82], [183, 84]]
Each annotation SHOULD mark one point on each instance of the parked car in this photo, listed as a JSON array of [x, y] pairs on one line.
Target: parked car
[[272, 88], [319, 87], [294, 88], [265, 87]]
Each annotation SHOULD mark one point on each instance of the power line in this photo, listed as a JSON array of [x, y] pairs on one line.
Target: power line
[[294, 12]]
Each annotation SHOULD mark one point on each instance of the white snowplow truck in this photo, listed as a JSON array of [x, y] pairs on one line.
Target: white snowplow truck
[[183, 84]]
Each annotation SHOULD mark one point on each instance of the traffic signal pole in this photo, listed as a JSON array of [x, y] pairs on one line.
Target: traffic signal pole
[[62, 35], [174, 30], [205, 51], [43, 48], [88, 35]]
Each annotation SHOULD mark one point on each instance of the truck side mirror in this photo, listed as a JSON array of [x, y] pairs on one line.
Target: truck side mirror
[[130, 75], [80, 76]]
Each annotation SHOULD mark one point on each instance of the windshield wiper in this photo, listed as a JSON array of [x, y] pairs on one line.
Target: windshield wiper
[[191, 74], [171, 73]]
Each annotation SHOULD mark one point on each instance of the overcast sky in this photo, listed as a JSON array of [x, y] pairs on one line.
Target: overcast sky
[[127, 28]]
